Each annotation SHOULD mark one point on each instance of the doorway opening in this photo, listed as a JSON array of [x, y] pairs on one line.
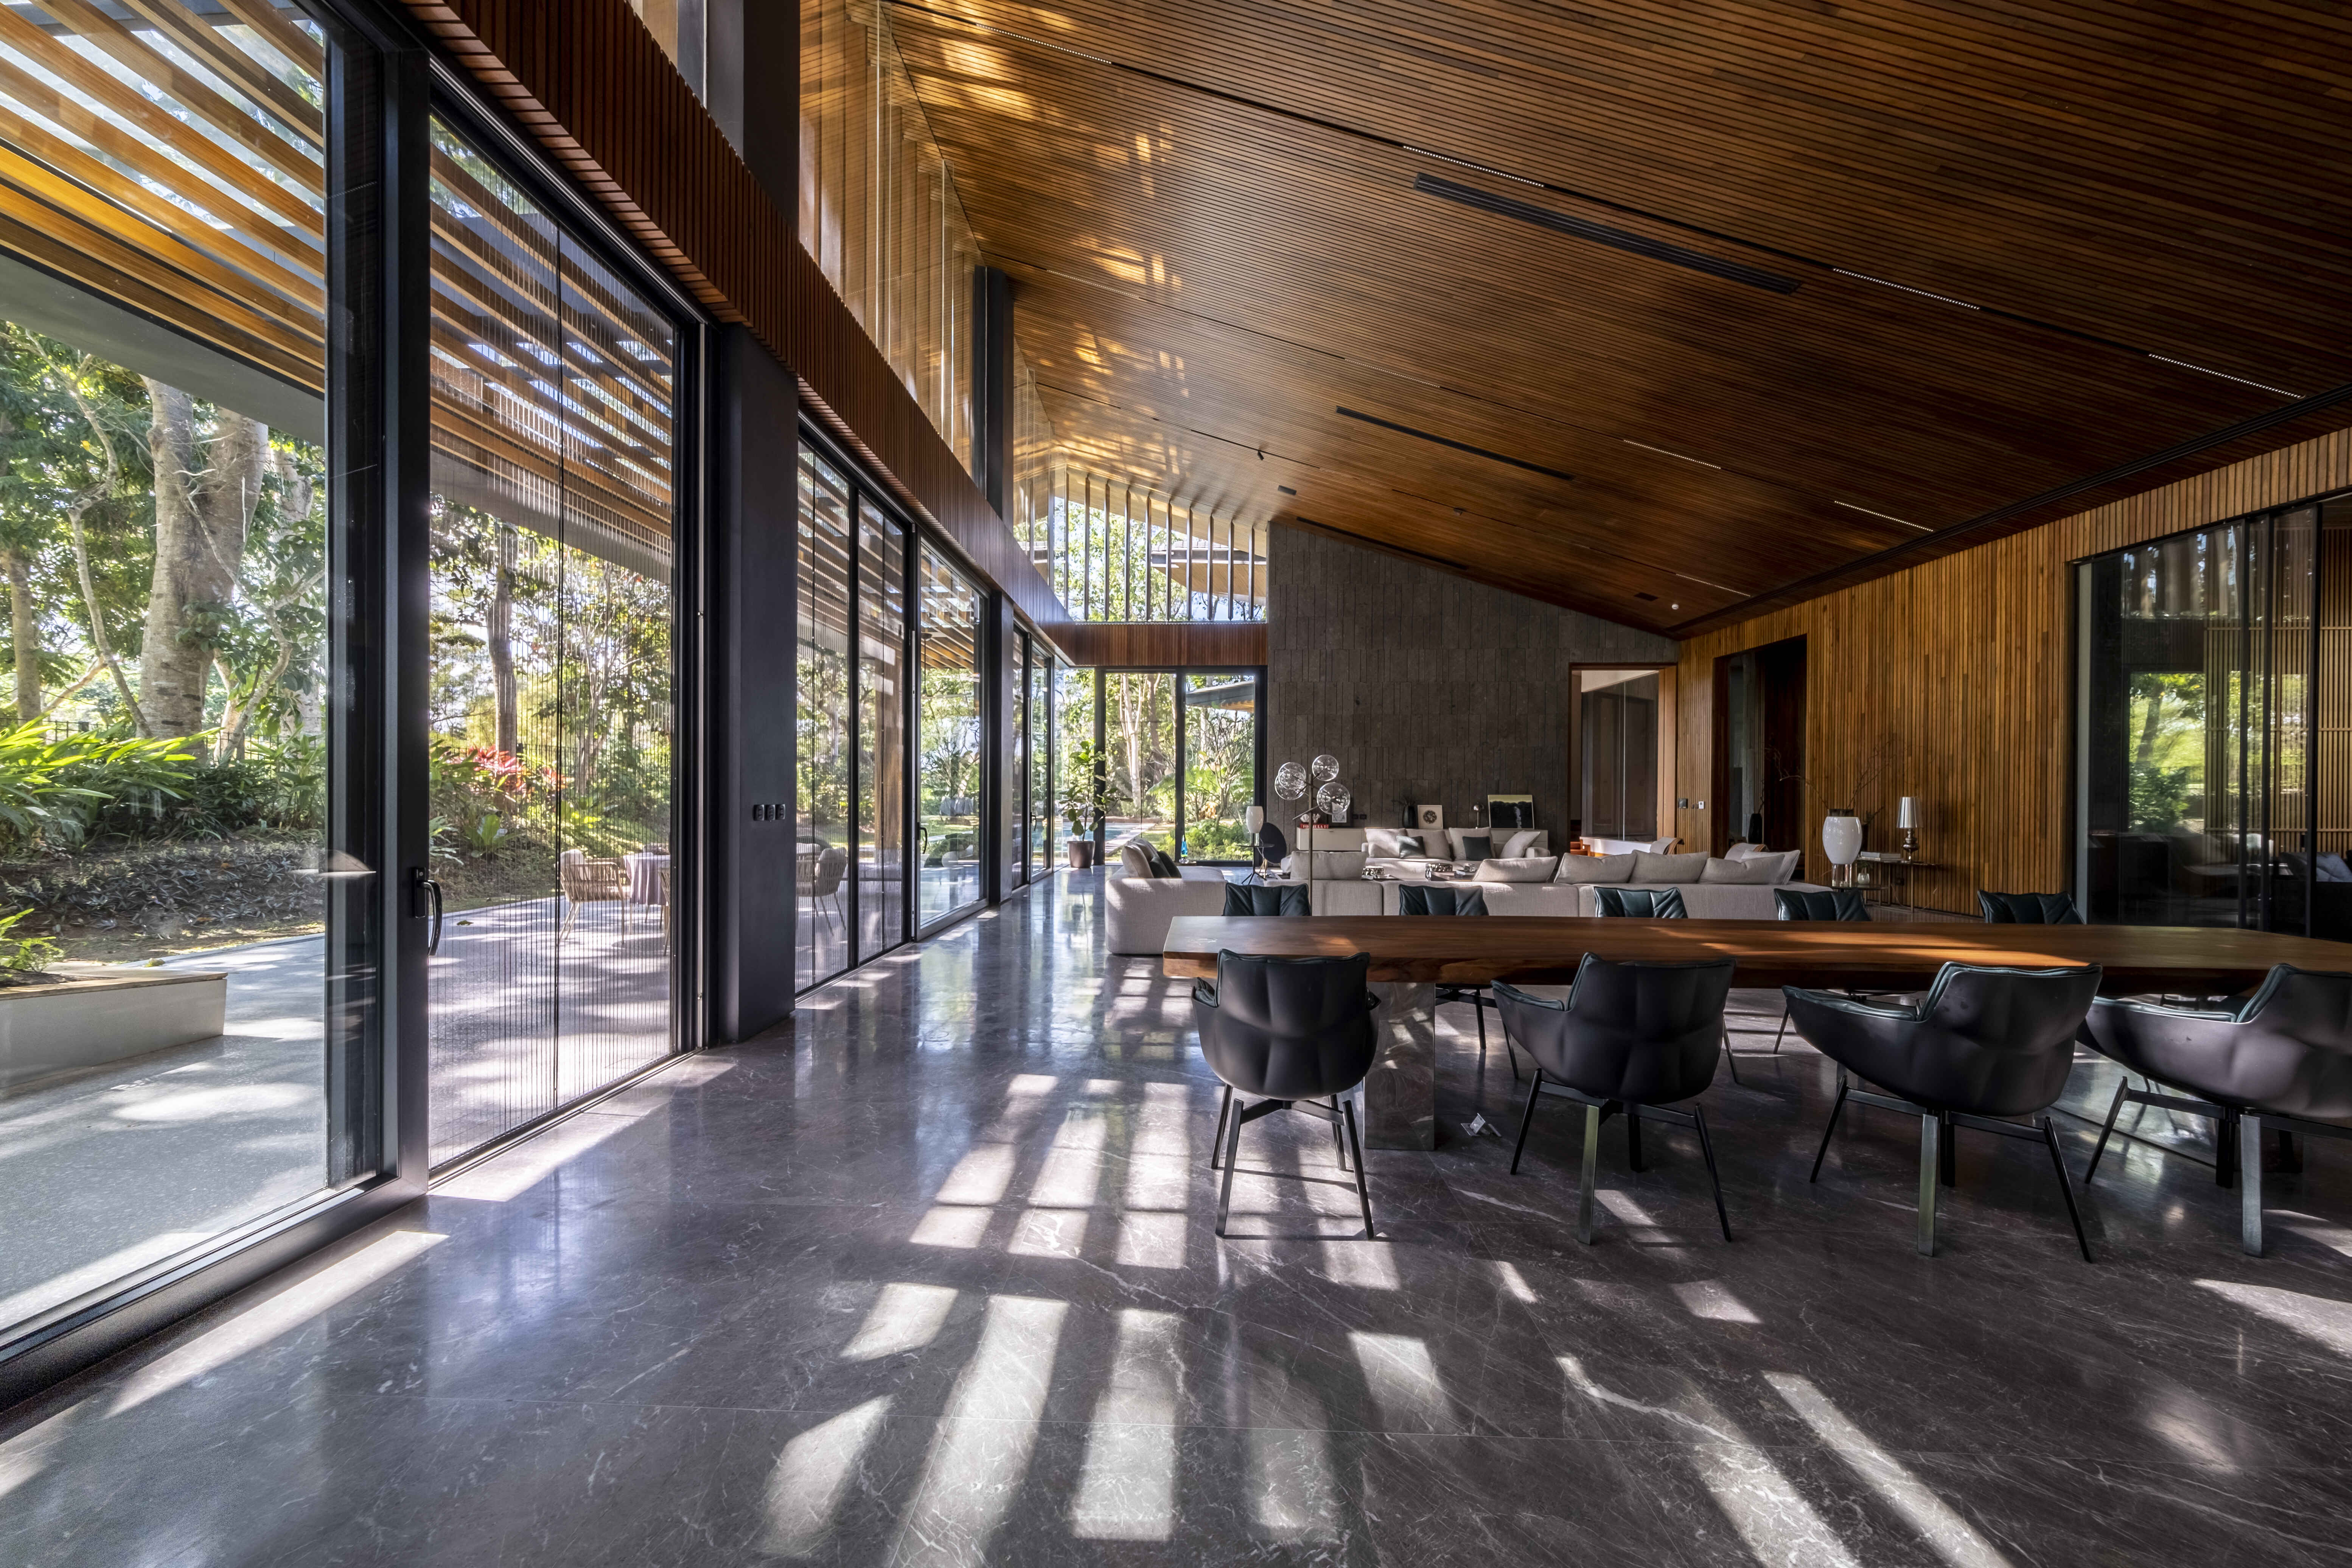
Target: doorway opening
[[1759, 747]]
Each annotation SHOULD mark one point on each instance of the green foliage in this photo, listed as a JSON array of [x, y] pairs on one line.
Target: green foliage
[[486, 835], [53, 790], [1217, 841], [1085, 795], [586, 829], [29, 953], [2159, 796]]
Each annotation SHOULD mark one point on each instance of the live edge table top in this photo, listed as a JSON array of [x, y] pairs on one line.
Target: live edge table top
[[1459, 950]]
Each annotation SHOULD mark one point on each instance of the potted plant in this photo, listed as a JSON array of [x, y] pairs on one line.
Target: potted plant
[[1086, 806]]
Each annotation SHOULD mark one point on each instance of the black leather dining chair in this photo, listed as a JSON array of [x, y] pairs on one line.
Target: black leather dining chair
[[1420, 899], [1986, 1042], [2280, 1057], [1651, 904], [2028, 908], [1640, 903], [1297, 1031], [1631, 1039], [1815, 904]]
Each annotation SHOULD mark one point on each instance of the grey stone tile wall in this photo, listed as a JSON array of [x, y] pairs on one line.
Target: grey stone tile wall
[[1422, 683]]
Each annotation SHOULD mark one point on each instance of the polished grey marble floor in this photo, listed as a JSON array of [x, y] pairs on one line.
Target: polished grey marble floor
[[931, 1280]]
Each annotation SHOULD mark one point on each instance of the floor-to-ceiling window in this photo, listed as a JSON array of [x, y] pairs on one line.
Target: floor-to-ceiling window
[[1137, 715], [554, 388], [2213, 748], [880, 887], [823, 851], [1221, 761], [951, 769], [1014, 809], [189, 855], [1042, 752]]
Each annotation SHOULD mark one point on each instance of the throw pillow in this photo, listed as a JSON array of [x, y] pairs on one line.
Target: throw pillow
[[1471, 845], [1528, 868], [1338, 865], [1654, 870], [1133, 860], [1744, 873], [1243, 900], [1410, 847], [1742, 850], [1522, 842], [1594, 868], [1789, 865], [2332, 869], [1163, 864]]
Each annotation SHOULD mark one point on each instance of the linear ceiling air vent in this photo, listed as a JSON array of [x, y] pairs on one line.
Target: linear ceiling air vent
[[1601, 234], [1457, 446]]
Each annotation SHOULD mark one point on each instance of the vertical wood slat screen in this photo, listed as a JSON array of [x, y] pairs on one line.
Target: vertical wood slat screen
[[1115, 551], [1957, 672]]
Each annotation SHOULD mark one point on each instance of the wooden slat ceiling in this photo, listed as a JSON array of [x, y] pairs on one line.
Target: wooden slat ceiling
[[1996, 219]]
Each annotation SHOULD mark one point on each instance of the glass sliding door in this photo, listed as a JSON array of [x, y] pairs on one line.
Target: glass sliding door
[[187, 553], [950, 779], [2203, 684], [881, 889], [1139, 726], [1040, 761], [1617, 752], [1014, 812], [554, 389], [1221, 764], [823, 851]]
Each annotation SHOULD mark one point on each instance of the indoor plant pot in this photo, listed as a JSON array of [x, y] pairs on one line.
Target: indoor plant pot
[[1082, 853]]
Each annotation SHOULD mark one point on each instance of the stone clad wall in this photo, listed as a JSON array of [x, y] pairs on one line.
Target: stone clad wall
[[1416, 678]]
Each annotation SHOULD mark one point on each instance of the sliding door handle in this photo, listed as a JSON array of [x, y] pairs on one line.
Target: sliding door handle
[[426, 888]]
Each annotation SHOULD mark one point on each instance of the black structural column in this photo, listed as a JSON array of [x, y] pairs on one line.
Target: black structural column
[[996, 716], [991, 386], [751, 84], [753, 589]]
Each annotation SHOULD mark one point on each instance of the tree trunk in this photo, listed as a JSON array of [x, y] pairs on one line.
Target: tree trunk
[[24, 631], [204, 500], [501, 640]]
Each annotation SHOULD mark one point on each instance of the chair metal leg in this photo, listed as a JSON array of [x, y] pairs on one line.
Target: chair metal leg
[[2225, 1150], [1783, 1032], [2114, 1110], [1363, 1186], [1836, 1109], [1634, 1139], [1706, 1147], [1947, 1156], [1729, 1061], [1338, 1142], [2067, 1185], [1526, 1120], [1929, 1168], [1478, 1006], [1225, 1110], [1592, 1174], [1225, 1192], [2250, 1183]]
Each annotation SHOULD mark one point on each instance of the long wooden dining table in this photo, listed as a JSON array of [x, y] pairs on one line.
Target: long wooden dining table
[[1413, 954]]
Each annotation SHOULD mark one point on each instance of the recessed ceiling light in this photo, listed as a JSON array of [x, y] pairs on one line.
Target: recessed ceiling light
[[1661, 451], [1888, 516]]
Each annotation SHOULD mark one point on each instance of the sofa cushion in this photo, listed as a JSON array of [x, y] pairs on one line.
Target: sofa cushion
[[1665, 870], [1400, 843], [1133, 860], [1243, 900], [1527, 868], [1163, 864], [1469, 845], [1762, 871], [1338, 865], [1595, 868], [1518, 843]]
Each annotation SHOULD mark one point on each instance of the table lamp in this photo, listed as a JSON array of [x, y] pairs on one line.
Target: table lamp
[[1907, 817]]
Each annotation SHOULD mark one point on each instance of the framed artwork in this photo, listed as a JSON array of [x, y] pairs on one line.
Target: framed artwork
[[1430, 817], [1514, 811]]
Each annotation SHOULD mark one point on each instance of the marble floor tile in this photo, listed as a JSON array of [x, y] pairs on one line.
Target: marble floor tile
[[931, 1278]]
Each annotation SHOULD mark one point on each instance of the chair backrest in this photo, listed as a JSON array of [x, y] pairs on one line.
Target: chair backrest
[[830, 865], [1643, 1032], [1294, 1028], [2028, 908], [1996, 1040], [2285, 1049], [1420, 899], [1248, 899], [1820, 904], [1641, 904]]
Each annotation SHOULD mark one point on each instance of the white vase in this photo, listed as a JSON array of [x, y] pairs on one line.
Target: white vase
[[1841, 838]]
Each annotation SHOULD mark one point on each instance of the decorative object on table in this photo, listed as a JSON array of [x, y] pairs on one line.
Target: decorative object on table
[[1907, 817], [1254, 817], [1429, 818], [1515, 811], [1841, 842]]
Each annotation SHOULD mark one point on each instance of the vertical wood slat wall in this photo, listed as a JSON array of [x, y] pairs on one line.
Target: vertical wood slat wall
[[591, 84], [1958, 670]]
